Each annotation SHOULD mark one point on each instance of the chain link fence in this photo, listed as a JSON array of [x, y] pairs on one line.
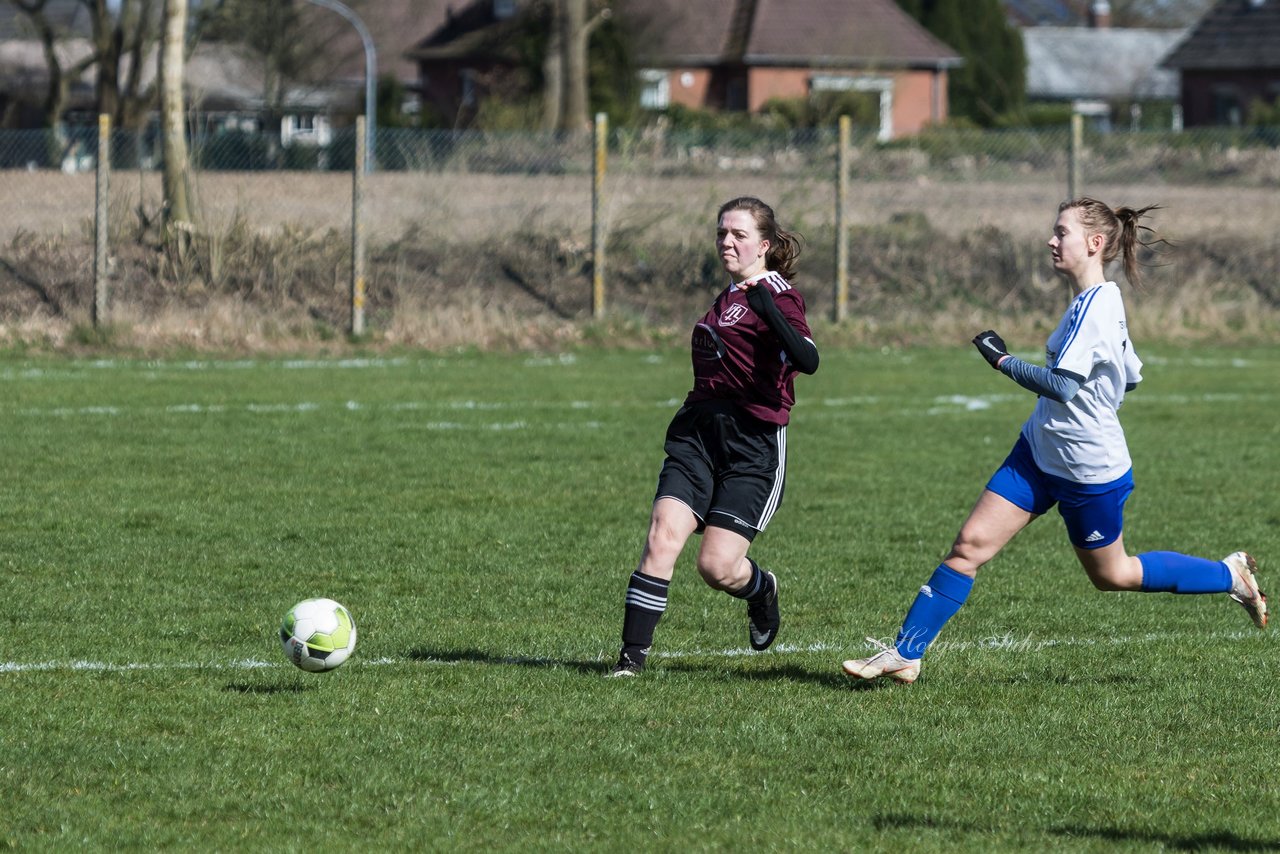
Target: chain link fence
[[449, 215]]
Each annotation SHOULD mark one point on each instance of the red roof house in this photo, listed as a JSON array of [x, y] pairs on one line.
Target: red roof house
[[726, 54]]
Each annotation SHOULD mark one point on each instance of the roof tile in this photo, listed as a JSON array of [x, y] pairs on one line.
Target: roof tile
[[826, 32], [1234, 34]]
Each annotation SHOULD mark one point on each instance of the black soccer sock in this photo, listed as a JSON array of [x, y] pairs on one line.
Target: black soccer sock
[[646, 601], [760, 585]]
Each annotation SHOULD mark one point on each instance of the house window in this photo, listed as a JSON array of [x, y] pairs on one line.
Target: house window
[[305, 128], [882, 87], [1226, 107], [1096, 113], [735, 94], [655, 89], [468, 93]]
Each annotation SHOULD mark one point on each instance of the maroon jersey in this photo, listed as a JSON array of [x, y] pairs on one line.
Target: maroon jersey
[[737, 357]]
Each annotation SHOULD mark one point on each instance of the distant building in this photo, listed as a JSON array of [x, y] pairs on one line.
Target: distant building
[[731, 55], [1228, 62], [1108, 74], [1043, 13], [225, 82], [1102, 73]]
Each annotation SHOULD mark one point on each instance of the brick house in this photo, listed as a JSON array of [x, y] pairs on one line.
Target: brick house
[[1228, 62], [732, 55]]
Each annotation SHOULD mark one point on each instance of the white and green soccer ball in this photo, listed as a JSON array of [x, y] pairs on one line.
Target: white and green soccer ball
[[318, 635]]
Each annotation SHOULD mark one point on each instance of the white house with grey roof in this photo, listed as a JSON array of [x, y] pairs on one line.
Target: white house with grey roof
[[1096, 69]]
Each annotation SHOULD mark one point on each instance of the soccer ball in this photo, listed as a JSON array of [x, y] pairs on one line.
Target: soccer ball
[[318, 635]]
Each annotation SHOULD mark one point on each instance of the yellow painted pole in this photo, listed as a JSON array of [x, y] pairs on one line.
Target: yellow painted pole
[[841, 309], [357, 231], [100, 209], [597, 215], [1075, 175]]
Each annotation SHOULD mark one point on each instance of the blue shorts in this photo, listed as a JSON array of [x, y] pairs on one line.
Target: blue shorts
[[1094, 512]]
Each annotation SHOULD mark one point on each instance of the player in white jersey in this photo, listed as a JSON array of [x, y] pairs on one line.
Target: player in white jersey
[[1071, 452]]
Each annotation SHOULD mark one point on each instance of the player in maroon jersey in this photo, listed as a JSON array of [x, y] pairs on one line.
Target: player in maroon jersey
[[726, 446]]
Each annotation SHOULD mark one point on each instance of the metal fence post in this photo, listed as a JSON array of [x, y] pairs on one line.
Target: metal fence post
[[357, 231], [1075, 178], [100, 207], [841, 308], [597, 208]]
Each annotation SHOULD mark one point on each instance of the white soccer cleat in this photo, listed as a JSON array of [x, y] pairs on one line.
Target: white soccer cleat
[[1244, 587], [886, 662]]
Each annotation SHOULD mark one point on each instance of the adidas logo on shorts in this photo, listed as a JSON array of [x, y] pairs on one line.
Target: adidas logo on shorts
[[1093, 538]]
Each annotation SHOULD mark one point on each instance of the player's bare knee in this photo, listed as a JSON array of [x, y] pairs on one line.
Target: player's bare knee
[[663, 539], [1112, 578], [1105, 583], [966, 557], [718, 574]]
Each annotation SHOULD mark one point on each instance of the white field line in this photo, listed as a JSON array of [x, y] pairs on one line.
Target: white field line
[[80, 368], [939, 405], [1006, 644], [347, 406]]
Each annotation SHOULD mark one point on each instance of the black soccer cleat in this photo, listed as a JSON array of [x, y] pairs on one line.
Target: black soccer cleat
[[763, 618], [626, 667]]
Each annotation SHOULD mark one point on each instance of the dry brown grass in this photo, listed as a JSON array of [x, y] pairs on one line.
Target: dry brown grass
[[503, 261], [468, 207]]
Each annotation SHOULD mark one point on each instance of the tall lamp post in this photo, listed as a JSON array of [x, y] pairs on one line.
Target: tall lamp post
[[370, 76]]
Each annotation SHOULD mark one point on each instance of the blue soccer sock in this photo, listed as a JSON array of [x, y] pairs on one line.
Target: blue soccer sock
[[937, 602], [1171, 572]]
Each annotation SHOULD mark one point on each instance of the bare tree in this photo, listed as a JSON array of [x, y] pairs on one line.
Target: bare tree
[[295, 43], [58, 91], [573, 42], [564, 70], [553, 71], [177, 207], [123, 33], [123, 39]]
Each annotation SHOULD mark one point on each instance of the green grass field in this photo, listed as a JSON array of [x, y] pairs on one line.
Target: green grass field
[[480, 514]]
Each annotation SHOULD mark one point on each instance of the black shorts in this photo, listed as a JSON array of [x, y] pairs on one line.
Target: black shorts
[[727, 466]]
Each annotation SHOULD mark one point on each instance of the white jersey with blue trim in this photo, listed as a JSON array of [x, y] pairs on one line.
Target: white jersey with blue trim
[[1082, 440]]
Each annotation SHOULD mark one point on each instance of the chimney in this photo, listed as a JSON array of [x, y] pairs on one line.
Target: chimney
[[1100, 15]]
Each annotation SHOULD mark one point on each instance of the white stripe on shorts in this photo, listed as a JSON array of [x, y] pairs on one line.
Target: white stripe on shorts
[[775, 496]]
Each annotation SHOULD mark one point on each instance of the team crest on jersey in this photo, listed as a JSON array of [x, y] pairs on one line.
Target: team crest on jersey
[[732, 314]]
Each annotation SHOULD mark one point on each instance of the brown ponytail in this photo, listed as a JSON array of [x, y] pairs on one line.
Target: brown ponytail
[[1121, 229]]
